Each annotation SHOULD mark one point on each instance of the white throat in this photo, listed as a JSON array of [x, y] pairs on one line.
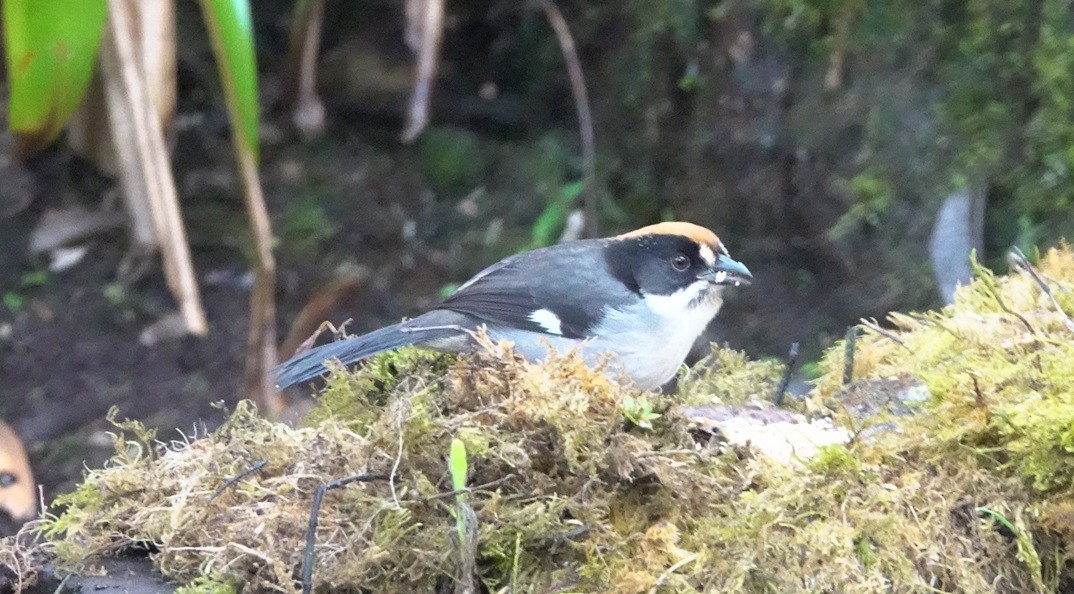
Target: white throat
[[697, 302]]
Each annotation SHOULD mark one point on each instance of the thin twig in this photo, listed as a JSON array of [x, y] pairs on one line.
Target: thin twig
[[848, 354], [988, 280], [667, 573], [488, 485], [311, 526], [1022, 263], [311, 538], [979, 398], [395, 464], [585, 115], [874, 327], [238, 477], [792, 360]]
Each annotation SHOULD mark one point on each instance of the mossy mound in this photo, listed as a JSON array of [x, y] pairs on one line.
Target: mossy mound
[[970, 492]]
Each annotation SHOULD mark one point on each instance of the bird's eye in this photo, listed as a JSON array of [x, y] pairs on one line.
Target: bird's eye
[[680, 262], [7, 479]]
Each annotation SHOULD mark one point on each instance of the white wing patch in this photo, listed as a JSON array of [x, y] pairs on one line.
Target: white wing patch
[[547, 320]]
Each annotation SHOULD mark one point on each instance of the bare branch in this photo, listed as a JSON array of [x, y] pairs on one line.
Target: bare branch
[[585, 116]]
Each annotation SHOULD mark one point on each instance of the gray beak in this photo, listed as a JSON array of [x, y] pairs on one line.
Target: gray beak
[[728, 272]]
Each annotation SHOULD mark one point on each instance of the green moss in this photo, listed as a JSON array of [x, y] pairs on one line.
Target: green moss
[[728, 376], [834, 458], [969, 491], [358, 398], [207, 585]]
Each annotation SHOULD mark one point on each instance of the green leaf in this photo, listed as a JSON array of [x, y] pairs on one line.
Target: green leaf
[[998, 517], [548, 226], [13, 301], [231, 30], [458, 464], [51, 48]]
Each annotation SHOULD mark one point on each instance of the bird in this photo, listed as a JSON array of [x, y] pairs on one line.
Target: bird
[[637, 301]]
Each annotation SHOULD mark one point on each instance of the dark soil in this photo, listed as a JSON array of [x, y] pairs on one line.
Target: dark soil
[[356, 204]]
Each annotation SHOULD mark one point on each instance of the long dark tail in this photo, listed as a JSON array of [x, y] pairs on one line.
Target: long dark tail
[[311, 364]]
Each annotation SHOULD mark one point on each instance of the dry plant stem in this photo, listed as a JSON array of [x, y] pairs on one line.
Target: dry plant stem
[[261, 338], [307, 110], [464, 580], [152, 29], [238, 477], [488, 485], [261, 335], [395, 464], [156, 20], [1022, 262], [874, 327], [660, 581], [585, 115], [145, 172], [833, 78], [431, 15], [848, 354]]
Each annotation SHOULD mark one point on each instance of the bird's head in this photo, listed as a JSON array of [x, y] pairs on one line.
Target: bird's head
[[678, 268]]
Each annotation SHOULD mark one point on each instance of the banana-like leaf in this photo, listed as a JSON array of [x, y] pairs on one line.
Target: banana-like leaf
[[51, 48], [231, 29]]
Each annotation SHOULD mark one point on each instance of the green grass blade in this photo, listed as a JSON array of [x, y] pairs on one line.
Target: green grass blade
[[458, 465], [51, 48], [459, 468], [231, 29]]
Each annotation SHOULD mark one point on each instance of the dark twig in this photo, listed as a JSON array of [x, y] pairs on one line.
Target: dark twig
[[1019, 260], [874, 327], [488, 485], [311, 529], [848, 354], [238, 477], [792, 360], [988, 280], [574, 534], [585, 116], [980, 399]]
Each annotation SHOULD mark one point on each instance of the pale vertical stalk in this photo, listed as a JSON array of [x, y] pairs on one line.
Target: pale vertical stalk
[[261, 338], [146, 172], [153, 29], [429, 32], [307, 110]]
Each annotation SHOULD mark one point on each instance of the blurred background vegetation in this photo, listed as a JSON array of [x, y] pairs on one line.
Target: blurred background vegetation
[[819, 138]]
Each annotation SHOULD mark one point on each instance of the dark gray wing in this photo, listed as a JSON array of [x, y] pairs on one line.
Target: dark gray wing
[[569, 280]]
